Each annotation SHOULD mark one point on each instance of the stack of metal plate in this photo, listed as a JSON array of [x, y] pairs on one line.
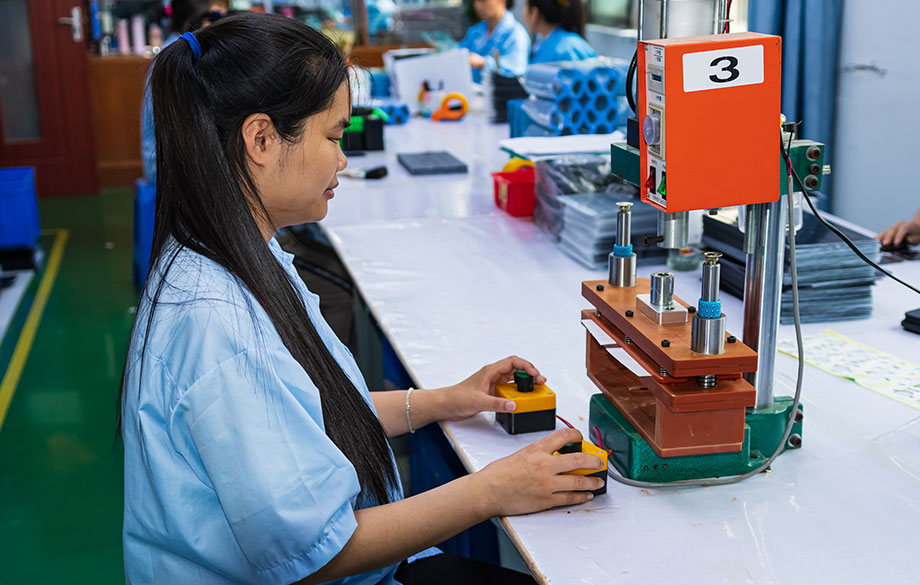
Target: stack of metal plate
[[589, 227], [834, 283]]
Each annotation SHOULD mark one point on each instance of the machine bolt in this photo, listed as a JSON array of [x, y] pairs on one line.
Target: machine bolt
[[629, 313], [650, 240], [731, 339], [664, 373], [597, 313], [814, 169], [691, 309], [795, 441], [799, 416], [813, 153], [665, 343], [711, 257], [627, 340], [599, 287], [811, 182]]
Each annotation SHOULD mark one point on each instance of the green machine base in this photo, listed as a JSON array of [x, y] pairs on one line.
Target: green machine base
[[635, 458]]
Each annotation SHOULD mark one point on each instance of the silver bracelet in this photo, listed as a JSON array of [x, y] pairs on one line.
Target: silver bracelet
[[409, 410]]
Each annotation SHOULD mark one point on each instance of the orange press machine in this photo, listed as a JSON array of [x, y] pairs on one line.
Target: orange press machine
[[687, 399]]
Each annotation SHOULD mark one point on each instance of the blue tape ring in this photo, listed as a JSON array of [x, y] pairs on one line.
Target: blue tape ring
[[709, 309], [622, 251]]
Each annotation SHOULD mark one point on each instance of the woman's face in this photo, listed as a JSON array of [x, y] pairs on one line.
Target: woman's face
[[489, 10], [531, 17], [297, 180]]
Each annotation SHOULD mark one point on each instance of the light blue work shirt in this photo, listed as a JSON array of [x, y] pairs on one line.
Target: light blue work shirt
[[561, 45], [148, 139], [229, 475], [511, 40]]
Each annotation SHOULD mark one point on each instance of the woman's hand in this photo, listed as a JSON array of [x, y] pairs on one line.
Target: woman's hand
[[531, 479], [900, 233], [477, 61], [475, 394]]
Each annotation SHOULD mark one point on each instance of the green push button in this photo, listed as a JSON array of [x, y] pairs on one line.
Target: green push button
[[662, 185]]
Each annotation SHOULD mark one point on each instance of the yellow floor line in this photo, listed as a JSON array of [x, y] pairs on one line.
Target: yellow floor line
[[27, 336]]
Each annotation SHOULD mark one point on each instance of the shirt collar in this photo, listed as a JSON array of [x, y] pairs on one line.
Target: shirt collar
[[283, 257], [540, 39], [506, 22]]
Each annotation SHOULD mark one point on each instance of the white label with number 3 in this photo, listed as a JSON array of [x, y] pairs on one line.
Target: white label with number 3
[[729, 67]]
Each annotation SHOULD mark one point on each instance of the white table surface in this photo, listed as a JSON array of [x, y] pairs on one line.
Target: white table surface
[[454, 287], [400, 195]]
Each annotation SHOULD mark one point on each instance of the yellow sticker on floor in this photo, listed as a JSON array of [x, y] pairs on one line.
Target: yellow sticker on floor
[[841, 356]]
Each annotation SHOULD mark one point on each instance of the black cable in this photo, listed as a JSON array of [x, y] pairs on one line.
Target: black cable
[[633, 65], [807, 195]]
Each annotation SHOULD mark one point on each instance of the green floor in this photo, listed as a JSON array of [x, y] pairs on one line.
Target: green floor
[[60, 478]]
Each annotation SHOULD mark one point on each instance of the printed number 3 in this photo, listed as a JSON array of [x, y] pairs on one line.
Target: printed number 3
[[731, 68]]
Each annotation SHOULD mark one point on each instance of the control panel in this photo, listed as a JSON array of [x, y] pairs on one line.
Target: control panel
[[710, 114]]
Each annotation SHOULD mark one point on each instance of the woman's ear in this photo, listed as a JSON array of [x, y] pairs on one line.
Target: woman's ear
[[260, 139]]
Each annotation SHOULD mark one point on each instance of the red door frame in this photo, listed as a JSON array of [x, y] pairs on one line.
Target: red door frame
[[64, 156]]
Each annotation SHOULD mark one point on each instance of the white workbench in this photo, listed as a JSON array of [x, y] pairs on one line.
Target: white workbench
[[455, 284]]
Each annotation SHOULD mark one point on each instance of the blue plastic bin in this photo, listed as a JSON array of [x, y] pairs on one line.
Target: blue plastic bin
[[144, 212], [19, 226]]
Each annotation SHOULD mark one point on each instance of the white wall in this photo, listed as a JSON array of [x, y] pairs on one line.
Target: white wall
[[877, 145]]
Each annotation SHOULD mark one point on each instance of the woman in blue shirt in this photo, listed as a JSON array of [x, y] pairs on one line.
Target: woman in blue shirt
[[497, 31], [254, 452], [559, 29]]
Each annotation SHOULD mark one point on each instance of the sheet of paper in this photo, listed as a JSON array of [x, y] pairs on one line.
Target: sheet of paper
[[841, 356], [536, 147]]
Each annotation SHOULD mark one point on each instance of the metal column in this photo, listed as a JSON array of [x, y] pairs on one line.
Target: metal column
[[763, 287]]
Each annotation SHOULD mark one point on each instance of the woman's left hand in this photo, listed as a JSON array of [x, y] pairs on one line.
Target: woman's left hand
[[475, 394]]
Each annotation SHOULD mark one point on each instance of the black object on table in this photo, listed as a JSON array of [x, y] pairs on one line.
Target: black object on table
[[431, 163], [911, 321]]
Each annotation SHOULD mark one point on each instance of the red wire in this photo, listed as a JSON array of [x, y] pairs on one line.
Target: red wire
[[567, 423], [728, 7], [600, 441]]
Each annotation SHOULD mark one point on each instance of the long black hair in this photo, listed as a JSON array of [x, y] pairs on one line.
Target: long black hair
[[568, 14], [206, 198]]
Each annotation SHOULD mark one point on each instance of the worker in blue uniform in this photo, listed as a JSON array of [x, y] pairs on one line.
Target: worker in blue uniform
[[499, 33], [254, 452], [559, 29]]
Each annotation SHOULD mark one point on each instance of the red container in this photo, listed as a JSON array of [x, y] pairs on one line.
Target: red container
[[514, 192]]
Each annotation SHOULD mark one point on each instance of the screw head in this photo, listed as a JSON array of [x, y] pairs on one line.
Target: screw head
[[624, 206], [813, 153], [811, 182], [731, 339], [599, 287], [799, 416], [665, 343], [691, 309], [629, 313]]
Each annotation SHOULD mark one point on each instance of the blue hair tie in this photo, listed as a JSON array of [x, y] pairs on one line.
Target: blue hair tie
[[193, 43]]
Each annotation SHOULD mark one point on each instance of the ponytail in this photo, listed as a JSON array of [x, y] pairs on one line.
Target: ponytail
[[567, 14], [206, 198]]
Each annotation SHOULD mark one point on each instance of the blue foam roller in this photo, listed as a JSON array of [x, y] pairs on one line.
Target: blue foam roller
[[552, 114], [554, 80]]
